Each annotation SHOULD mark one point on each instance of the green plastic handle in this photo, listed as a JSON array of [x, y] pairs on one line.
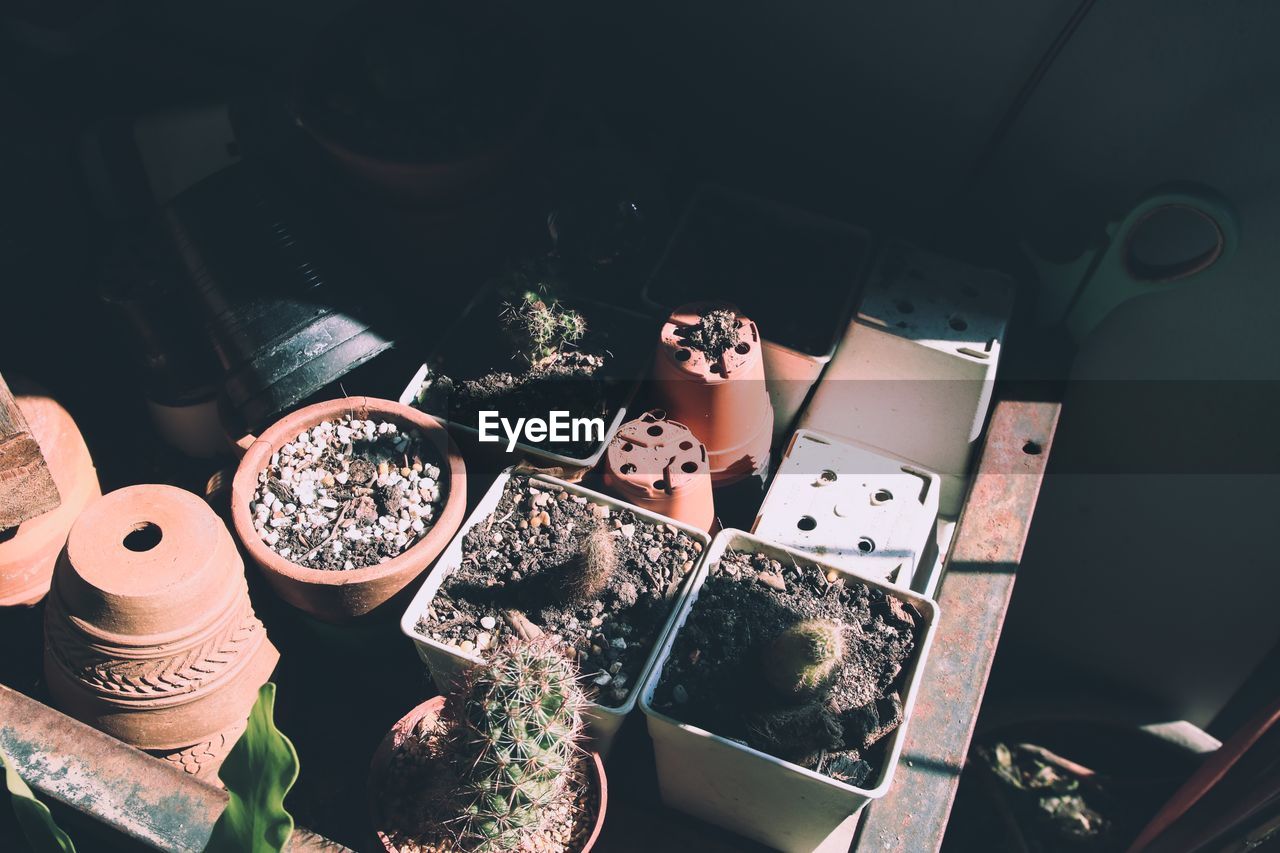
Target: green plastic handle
[[1082, 292]]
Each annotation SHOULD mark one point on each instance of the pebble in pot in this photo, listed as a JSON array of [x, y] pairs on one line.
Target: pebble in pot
[[345, 503]]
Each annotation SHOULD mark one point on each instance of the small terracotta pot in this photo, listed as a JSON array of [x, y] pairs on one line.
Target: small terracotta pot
[[339, 596], [27, 555], [430, 711], [725, 403], [659, 464], [149, 633]]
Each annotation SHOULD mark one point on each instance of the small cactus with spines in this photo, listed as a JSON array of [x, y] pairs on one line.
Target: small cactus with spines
[[587, 575], [802, 659], [542, 328], [514, 723]]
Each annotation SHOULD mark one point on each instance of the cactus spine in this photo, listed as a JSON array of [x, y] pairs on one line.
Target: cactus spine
[[542, 329], [589, 571], [514, 727], [801, 660]]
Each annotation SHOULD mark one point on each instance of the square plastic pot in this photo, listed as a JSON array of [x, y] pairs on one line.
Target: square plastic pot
[[845, 503], [914, 374], [446, 661], [473, 347], [766, 799], [802, 312]]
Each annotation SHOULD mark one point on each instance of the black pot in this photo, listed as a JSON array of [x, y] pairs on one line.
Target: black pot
[[288, 305]]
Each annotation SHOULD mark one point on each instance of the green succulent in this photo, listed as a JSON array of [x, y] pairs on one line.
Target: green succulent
[[542, 328], [514, 724], [802, 659]]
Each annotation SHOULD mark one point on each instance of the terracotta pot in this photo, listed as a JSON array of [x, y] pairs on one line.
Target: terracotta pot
[[429, 711], [204, 759], [28, 554], [659, 464], [339, 596], [724, 403], [149, 633]]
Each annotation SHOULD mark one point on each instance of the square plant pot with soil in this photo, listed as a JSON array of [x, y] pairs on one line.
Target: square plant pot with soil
[[523, 353], [779, 701], [540, 556]]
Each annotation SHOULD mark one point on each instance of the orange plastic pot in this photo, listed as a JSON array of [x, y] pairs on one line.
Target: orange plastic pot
[[660, 465], [425, 717], [340, 596], [28, 554], [149, 633], [725, 403]]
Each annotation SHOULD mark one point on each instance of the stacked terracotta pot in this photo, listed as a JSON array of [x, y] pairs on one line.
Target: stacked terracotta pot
[[659, 464], [724, 402], [27, 554], [149, 633]]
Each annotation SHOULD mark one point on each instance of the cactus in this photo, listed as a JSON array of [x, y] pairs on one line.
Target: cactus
[[514, 726], [588, 573], [542, 329], [801, 660]]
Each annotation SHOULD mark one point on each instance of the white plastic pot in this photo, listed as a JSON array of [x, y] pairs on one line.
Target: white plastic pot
[[845, 503], [446, 661], [766, 799], [914, 374]]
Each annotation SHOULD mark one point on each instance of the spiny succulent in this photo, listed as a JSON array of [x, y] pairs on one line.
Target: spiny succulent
[[801, 660], [588, 573], [514, 725], [542, 328]]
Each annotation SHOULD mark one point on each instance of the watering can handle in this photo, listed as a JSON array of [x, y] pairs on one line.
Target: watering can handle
[[1082, 293]]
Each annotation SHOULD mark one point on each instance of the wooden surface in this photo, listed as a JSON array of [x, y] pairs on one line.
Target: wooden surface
[[26, 486]]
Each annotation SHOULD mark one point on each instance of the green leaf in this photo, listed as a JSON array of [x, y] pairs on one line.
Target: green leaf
[[37, 824], [258, 772]]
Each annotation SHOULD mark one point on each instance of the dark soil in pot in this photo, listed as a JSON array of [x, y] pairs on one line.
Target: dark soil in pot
[[521, 576], [486, 364], [719, 674], [347, 494], [716, 333]]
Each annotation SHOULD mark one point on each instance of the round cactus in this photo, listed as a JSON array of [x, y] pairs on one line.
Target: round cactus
[[514, 727], [801, 660]]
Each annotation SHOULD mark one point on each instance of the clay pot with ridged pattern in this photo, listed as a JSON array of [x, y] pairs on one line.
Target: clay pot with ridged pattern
[[149, 632]]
